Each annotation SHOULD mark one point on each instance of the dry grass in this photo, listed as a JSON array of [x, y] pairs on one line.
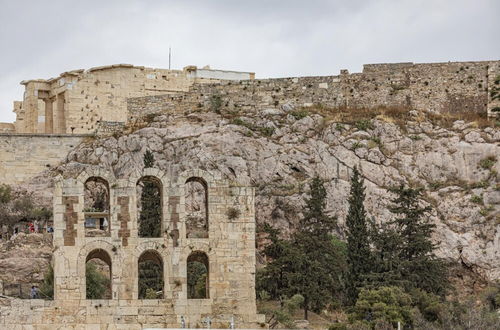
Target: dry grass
[[446, 120], [355, 115], [398, 115]]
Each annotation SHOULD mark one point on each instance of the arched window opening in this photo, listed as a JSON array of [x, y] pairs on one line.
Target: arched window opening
[[150, 275], [149, 206], [98, 275], [196, 199], [197, 276], [96, 207]]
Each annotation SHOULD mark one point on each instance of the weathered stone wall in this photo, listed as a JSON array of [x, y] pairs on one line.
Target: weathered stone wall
[[23, 156], [230, 248], [78, 100], [436, 87]]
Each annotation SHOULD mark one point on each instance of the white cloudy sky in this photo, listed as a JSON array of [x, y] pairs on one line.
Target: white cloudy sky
[[274, 38]]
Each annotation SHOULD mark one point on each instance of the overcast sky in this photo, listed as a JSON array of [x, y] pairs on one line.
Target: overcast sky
[[41, 39]]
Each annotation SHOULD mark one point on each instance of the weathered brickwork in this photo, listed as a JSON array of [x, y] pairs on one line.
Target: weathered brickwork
[[230, 249], [436, 87], [70, 219], [124, 219]]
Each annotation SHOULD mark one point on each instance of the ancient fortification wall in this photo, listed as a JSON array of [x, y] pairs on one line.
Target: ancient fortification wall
[[439, 87], [23, 156], [82, 101]]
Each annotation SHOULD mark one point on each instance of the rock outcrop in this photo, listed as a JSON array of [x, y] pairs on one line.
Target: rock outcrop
[[24, 260], [279, 150]]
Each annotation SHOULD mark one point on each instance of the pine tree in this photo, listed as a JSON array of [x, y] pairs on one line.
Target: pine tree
[[150, 217], [419, 265], [318, 265], [385, 270], [358, 247], [282, 255], [311, 263]]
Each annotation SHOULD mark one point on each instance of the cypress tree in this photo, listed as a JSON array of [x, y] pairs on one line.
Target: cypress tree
[[150, 273], [149, 159], [150, 217], [358, 247]]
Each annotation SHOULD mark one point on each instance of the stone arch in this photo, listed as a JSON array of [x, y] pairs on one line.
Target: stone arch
[[98, 262], [108, 254], [96, 206], [208, 177], [161, 179], [150, 216], [196, 207], [151, 275], [96, 172], [150, 171], [198, 275], [162, 251]]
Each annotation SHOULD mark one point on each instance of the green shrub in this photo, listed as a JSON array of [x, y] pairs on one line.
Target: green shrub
[[150, 294], [215, 103], [97, 283], [239, 122], [476, 199], [266, 131], [233, 213], [488, 162], [356, 145], [47, 286], [364, 125], [384, 304], [299, 114], [491, 296]]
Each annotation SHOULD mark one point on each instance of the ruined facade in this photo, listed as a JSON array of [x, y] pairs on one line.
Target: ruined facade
[[228, 250], [77, 101]]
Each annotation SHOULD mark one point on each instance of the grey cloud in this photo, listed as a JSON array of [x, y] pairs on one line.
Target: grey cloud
[[40, 39]]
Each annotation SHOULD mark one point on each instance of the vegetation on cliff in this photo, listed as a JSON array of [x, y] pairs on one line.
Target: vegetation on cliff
[[389, 274]]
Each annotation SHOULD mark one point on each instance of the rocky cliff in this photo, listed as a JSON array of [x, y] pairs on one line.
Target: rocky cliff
[[279, 149], [24, 260]]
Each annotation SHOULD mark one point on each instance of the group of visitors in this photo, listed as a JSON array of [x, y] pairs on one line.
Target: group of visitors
[[31, 227]]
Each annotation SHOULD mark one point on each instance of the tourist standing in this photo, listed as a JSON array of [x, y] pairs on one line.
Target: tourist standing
[[34, 292]]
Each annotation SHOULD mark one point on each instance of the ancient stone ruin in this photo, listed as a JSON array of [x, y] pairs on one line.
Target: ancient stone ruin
[[227, 250], [69, 136]]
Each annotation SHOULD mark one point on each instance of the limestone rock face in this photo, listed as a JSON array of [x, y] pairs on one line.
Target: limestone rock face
[[25, 258], [279, 153]]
